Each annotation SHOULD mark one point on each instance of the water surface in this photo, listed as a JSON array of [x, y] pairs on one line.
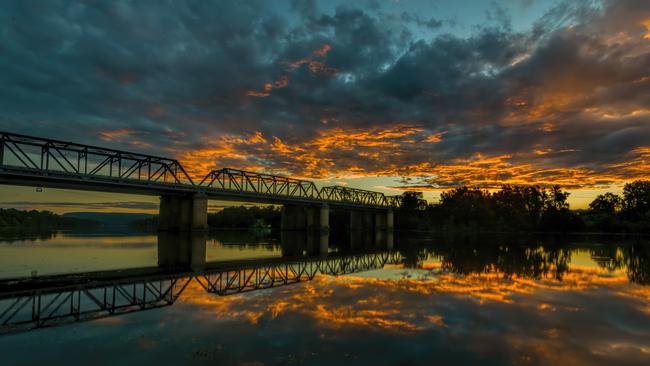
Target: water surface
[[489, 300]]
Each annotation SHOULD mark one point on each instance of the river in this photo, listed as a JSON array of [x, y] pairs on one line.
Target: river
[[425, 299]]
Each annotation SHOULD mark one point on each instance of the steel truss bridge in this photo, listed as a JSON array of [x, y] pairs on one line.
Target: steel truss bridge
[[35, 161], [56, 300]]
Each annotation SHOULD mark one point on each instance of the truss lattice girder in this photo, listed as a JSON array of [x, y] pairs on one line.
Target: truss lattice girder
[[85, 161], [33, 161], [279, 186]]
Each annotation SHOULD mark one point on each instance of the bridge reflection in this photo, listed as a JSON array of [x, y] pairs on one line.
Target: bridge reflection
[[31, 303]]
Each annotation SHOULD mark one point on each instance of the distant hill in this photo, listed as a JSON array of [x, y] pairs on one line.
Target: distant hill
[[12, 219], [109, 218]]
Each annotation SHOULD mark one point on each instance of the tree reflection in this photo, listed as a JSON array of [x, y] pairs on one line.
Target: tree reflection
[[532, 258], [633, 257], [637, 260]]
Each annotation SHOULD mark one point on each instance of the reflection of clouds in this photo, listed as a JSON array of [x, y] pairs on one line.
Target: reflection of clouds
[[403, 304], [590, 317]]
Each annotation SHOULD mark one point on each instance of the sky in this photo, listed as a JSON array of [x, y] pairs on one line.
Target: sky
[[383, 95]]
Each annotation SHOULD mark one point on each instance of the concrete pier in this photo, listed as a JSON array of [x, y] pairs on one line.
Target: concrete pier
[[390, 220], [298, 217], [294, 217], [183, 213], [309, 223], [324, 218], [356, 220], [366, 228]]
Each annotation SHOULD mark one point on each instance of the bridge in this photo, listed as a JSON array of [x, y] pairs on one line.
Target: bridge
[[27, 304], [40, 162]]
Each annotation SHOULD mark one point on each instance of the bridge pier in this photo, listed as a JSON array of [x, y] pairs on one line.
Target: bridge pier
[[356, 220], [299, 217], [313, 221], [294, 217], [384, 220], [183, 213]]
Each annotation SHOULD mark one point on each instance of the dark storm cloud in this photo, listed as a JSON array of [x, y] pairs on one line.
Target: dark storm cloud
[[272, 85]]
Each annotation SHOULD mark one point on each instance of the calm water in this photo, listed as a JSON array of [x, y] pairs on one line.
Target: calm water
[[489, 300]]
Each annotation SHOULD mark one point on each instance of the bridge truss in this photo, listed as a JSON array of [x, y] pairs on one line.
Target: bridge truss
[[39, 161], [65, 159], [258, 183]]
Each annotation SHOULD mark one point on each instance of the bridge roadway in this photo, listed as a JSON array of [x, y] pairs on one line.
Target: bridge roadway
[[40, 162], [31, 303]]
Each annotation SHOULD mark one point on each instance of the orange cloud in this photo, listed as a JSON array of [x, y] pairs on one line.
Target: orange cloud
[[394, 151], [311, 158], [268, 87], [113, 134], [321, 68], [435, 138], [224, 151], [322, 52], [646, 24], [125, 136], [316, 67]]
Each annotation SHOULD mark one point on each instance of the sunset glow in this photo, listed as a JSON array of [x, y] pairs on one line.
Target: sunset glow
[[549, 94]]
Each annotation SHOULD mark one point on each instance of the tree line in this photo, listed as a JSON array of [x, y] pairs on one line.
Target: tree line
[[527, 208], [36, 220], [235, 217]]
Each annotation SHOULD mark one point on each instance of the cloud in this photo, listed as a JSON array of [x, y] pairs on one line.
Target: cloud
[[308, 91]]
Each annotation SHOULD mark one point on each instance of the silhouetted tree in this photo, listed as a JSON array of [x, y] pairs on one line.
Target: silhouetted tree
[[412, 201], [528, 208], [556, 215], [467, 206], [607, 203], [411, 213], [636, 200], [519, 207]]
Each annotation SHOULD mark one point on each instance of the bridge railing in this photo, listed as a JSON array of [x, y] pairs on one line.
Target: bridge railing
[[52, 157]]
